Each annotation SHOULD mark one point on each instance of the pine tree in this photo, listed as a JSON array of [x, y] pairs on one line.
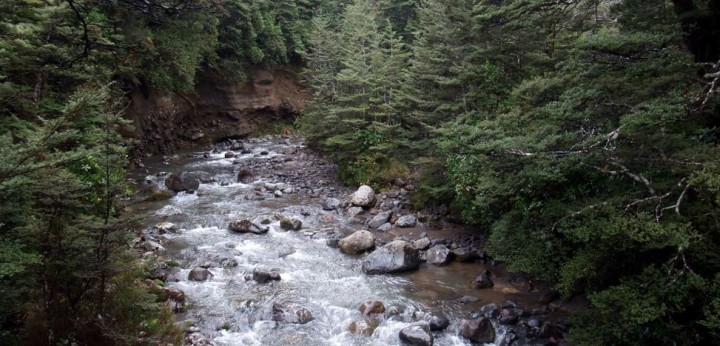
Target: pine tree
[[356, 83]]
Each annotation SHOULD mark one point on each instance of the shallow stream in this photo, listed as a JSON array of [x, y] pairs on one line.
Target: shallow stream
[[228, 309]]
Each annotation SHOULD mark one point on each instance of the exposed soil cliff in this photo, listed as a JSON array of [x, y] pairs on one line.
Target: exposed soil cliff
[[216, 110]]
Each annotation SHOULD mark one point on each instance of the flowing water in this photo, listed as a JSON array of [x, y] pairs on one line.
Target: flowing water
[[231, 310]]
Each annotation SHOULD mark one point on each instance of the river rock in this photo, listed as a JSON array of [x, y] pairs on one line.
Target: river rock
[[228, 263], [291, 313], [365, 327], [363, 197], [165, 227], [438, 323], [386, 227], [203, 177], [263, 275], [551, 330], [490, 311], [331, 204], [479, 330], [290, 223], [417, 334], [508, 316], [438, 255], [356, 243], [191, 181], [468, 299], [483, 281], [244, 175], [371, 308], [379, 219], [150, 245], [199, 274], [422, 243], [353, 212], [159, 195], [174, 183], [181, 182], [327, 218], [508, 339], [465, 254], [396, 256], [229, 154], [406, 221], [247, 226]]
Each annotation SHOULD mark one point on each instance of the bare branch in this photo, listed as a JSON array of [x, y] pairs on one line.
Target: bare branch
[[577, 213], [676, 206]]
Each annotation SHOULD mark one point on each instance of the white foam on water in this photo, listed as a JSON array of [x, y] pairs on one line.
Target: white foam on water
[[185, 199]]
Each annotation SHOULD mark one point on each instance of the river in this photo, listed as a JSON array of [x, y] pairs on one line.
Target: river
[[232, 309]]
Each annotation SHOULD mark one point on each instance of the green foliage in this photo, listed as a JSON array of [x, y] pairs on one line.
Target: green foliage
[[354, 73], [261, 33], [581, 134]]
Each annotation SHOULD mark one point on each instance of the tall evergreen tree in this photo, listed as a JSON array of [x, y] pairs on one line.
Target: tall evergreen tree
[[356, 83]]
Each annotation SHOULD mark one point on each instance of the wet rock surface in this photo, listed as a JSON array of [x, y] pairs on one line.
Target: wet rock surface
[[357, 242], [291, 313], [397, 256], [417, 334]]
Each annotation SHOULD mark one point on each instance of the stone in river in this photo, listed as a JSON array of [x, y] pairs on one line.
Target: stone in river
[[438, 255], [358, 242], [417, 334], [396, 256], [479, 330], [199, 274]]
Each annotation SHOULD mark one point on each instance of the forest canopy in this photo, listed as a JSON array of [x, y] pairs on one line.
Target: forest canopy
[[581, 135], [66, 67]]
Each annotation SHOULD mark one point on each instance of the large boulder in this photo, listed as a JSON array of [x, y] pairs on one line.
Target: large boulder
[[396, 256], [291, 313], [406, 221], [199, 274], [379, 219], [479, 330], [191, 181], [290, 223], [247, 226], [356, 243], [417, 334], [438, 255], [363, 197]]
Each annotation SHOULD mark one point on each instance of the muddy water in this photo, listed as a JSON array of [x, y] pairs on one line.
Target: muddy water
[[228, 309]]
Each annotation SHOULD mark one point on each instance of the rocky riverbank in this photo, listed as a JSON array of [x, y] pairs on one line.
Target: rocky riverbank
[[283, 205]]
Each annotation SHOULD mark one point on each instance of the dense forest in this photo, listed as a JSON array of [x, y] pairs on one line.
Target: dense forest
[[581, 135], [67, 275]]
